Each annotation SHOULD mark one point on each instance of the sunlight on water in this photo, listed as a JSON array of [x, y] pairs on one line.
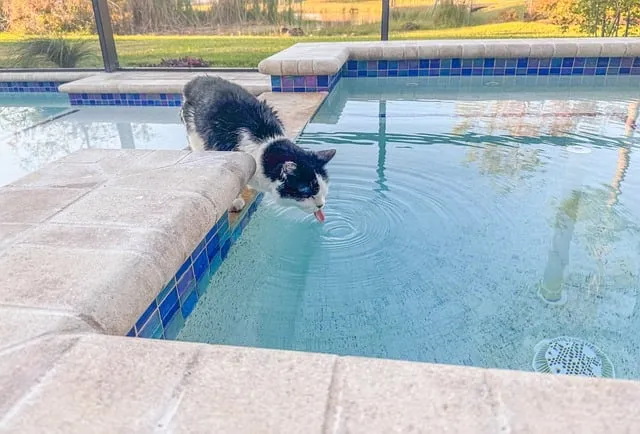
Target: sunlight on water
[[465, 225]]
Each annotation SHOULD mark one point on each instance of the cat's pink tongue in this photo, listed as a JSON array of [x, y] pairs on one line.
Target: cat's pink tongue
[[319, 215]]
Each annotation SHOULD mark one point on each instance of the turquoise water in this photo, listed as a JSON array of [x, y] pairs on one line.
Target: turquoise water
[[468, 221], [39, 128]]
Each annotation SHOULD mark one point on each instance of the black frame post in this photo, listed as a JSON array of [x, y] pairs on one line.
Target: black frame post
[[105, 33], [384, 23]]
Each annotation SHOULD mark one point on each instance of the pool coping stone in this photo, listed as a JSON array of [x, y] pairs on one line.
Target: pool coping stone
[[56, 76], [104, 384], [158, 82], [96, 235], [328, 58]]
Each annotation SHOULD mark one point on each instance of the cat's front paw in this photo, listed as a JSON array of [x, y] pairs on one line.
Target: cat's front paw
[[238, 204]]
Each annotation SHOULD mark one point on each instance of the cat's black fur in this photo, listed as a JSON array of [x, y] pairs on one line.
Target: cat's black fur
[[223, 116], [218, 111]]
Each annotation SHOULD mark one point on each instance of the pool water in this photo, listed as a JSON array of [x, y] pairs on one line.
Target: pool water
[[469, 222], [36, 129]]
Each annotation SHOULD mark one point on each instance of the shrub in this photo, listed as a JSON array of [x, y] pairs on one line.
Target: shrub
[[409, 26], [184, 62], [52, 52], [449, 14], [48, 16], [509, 15]]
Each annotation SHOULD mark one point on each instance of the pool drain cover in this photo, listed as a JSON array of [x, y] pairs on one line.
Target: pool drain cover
[[571, 356]]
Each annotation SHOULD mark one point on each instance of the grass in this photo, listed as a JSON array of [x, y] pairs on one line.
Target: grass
[[247, 51]]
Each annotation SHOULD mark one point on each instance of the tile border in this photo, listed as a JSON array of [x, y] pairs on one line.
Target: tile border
[[126, 99], [462, 67], [489, 66], [166, 315], [308, 83], [29, 86]]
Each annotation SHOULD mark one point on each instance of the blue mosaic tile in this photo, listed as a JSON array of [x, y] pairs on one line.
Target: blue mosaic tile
[[199, 249], [200, 265], [183, 268], [174, 326], [166, 290], [146, 315], [215, 263], [29, 86], [189, 303], [224, 250], [186, 284], [564, 66], [165, 316], [150, 327], [169, 306], [126, 99], [158, 334], [213, 247], [203, 284], [312, 83]]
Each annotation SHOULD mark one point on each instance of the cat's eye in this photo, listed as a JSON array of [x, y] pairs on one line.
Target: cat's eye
[[305, 189]]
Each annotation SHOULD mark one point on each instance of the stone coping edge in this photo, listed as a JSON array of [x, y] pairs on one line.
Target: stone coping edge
[[327, 58], [158, 82], [96, 235], [46, 76], [106, 384]]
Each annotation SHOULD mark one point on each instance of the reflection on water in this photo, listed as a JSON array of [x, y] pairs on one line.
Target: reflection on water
[[463, 227], [39, 135]]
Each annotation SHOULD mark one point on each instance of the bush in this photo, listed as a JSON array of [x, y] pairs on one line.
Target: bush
[[556, 11], [409, 26], [48, 16], [52, 52], [452, 14], [184, 62], [509, 15]]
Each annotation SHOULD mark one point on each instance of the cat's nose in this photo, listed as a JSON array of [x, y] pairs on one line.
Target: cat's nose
[[320, 205]]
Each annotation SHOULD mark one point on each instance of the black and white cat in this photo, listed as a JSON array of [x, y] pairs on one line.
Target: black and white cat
[[222, 116]]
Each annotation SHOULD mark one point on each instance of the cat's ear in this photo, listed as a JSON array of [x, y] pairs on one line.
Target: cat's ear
[[325, 156], [288, 167]]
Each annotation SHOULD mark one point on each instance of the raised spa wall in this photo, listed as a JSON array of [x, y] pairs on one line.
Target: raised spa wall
[[105, 243]]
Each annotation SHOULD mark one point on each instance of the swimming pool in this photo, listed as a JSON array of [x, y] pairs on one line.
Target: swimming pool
[[483, 221], [36, 129]]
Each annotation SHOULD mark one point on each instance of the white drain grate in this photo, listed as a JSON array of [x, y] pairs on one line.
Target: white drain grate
[[571, 356]]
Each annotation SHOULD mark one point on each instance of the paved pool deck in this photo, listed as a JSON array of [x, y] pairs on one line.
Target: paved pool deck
[[87, 241]]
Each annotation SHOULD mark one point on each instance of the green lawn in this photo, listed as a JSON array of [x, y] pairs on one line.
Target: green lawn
[[247, 51]]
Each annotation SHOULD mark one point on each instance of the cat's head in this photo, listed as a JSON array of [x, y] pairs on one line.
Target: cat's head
[[298, 175]]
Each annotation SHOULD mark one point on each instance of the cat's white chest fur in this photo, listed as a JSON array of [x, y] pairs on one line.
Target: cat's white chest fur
[[259, 181]]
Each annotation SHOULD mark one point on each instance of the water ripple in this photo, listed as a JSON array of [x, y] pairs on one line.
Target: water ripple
[[470, 139], [362, 223]]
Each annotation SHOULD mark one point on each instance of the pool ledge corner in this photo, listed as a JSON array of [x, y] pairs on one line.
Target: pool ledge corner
[[87, 241]]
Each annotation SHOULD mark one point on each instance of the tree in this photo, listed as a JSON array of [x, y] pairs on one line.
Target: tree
[[600, 18], [559, 12], [605, 18]]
